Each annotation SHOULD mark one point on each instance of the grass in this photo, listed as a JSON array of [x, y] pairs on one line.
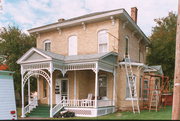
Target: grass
[[144, 115]]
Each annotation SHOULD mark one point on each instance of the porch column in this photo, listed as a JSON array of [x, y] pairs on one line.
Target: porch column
[[96, 84], [51, 89], [75, 96], [29, 91], [114, 87], [38, 88], [22, 92]]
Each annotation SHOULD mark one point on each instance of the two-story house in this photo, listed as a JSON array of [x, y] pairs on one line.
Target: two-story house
[[79, 63]]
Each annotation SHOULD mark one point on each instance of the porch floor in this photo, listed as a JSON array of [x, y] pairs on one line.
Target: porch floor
[[42, 111]]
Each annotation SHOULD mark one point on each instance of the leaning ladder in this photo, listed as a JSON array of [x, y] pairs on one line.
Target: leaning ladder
[[132, 85], [154, 102]]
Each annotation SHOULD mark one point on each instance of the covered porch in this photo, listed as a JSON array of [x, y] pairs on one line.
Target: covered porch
[[84, 84]]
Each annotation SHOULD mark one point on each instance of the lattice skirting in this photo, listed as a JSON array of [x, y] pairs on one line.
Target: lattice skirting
[[91, 112]]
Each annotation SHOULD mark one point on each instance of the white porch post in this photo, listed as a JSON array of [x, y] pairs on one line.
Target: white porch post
[[38, 88], [114, 87], [29, 91], [51, 89], [96, 84], [75, 96], [22, 92]]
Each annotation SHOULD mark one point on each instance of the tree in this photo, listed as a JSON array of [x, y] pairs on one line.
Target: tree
[[14, 43], [162, 49]]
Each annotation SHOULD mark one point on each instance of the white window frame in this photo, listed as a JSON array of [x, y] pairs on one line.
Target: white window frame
[[129, 98], [46, 42], [106, 31], [73, 52], [67, 86], [106, 85], [126, 37]]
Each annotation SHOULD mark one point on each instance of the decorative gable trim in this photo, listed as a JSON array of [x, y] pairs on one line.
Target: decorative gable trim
[[29, 53]]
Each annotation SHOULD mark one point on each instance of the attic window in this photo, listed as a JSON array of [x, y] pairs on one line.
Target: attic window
[[47, 45]]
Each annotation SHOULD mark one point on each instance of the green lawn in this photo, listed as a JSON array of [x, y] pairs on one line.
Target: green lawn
[[144, 115]]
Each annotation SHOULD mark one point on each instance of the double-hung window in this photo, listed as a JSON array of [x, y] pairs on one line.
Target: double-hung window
[[128, 96], [72, 45], [47, 45], [103, 41], [103, 86]]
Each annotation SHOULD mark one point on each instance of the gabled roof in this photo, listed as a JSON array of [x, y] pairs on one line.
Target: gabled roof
[[157, 69], [93, 17], [38, 55]]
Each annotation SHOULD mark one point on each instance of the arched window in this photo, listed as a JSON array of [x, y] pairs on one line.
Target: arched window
[[72, 49], [47, 45], [103, 41], [126, 46]]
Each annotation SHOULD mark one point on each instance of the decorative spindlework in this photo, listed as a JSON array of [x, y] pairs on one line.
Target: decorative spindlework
[[36, 66], [83, 66], [34, 73]]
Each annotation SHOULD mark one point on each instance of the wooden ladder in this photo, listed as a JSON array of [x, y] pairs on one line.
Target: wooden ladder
[[154, 103], [132, 85]]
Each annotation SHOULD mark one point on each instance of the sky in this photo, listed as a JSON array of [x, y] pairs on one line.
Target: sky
[[27, 14]]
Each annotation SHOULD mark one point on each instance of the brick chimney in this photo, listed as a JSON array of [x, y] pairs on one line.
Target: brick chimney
[[61, 20], [134, 12]]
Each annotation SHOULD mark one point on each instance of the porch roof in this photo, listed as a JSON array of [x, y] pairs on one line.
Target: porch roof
[[157, 69], [36, 55]]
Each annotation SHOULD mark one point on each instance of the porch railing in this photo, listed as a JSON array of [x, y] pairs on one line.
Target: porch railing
[[78, 103], [31, 105], [85, 103], [57, 108]]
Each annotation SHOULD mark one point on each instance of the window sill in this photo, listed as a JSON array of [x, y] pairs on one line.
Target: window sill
[[131, 99]]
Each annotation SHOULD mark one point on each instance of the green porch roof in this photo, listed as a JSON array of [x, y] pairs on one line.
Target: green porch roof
[[110, 57]]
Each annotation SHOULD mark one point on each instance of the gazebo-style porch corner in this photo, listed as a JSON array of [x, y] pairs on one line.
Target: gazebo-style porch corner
[[84, 84]]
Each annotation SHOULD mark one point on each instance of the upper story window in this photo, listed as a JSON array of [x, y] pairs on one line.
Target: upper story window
[[72, 49], [126, 46], [47, 45], [102, 41]]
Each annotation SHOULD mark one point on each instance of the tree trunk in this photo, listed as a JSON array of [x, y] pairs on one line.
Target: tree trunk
[[176, 94]]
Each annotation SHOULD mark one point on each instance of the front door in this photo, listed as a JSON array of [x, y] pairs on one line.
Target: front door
[[61, 90]]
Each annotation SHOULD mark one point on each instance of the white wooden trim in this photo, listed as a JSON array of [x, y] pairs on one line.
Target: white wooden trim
[[106, 30], [67, 86], [22, 93], [75, 79], [26, 55], [75, 22], [114, 87], [38, 88], [29, 91], [46, 41], [51, 89], [96, 84], [107, 77], [73, 39]]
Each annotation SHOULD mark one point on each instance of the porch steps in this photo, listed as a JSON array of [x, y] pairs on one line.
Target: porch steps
[[42, 111]]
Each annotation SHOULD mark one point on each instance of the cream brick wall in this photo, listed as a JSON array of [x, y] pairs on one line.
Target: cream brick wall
[[133, 45], [88, 44], [87, 39], [122, 102]]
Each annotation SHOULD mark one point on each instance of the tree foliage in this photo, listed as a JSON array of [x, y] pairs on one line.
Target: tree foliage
[[14, 43], [162, 48]]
